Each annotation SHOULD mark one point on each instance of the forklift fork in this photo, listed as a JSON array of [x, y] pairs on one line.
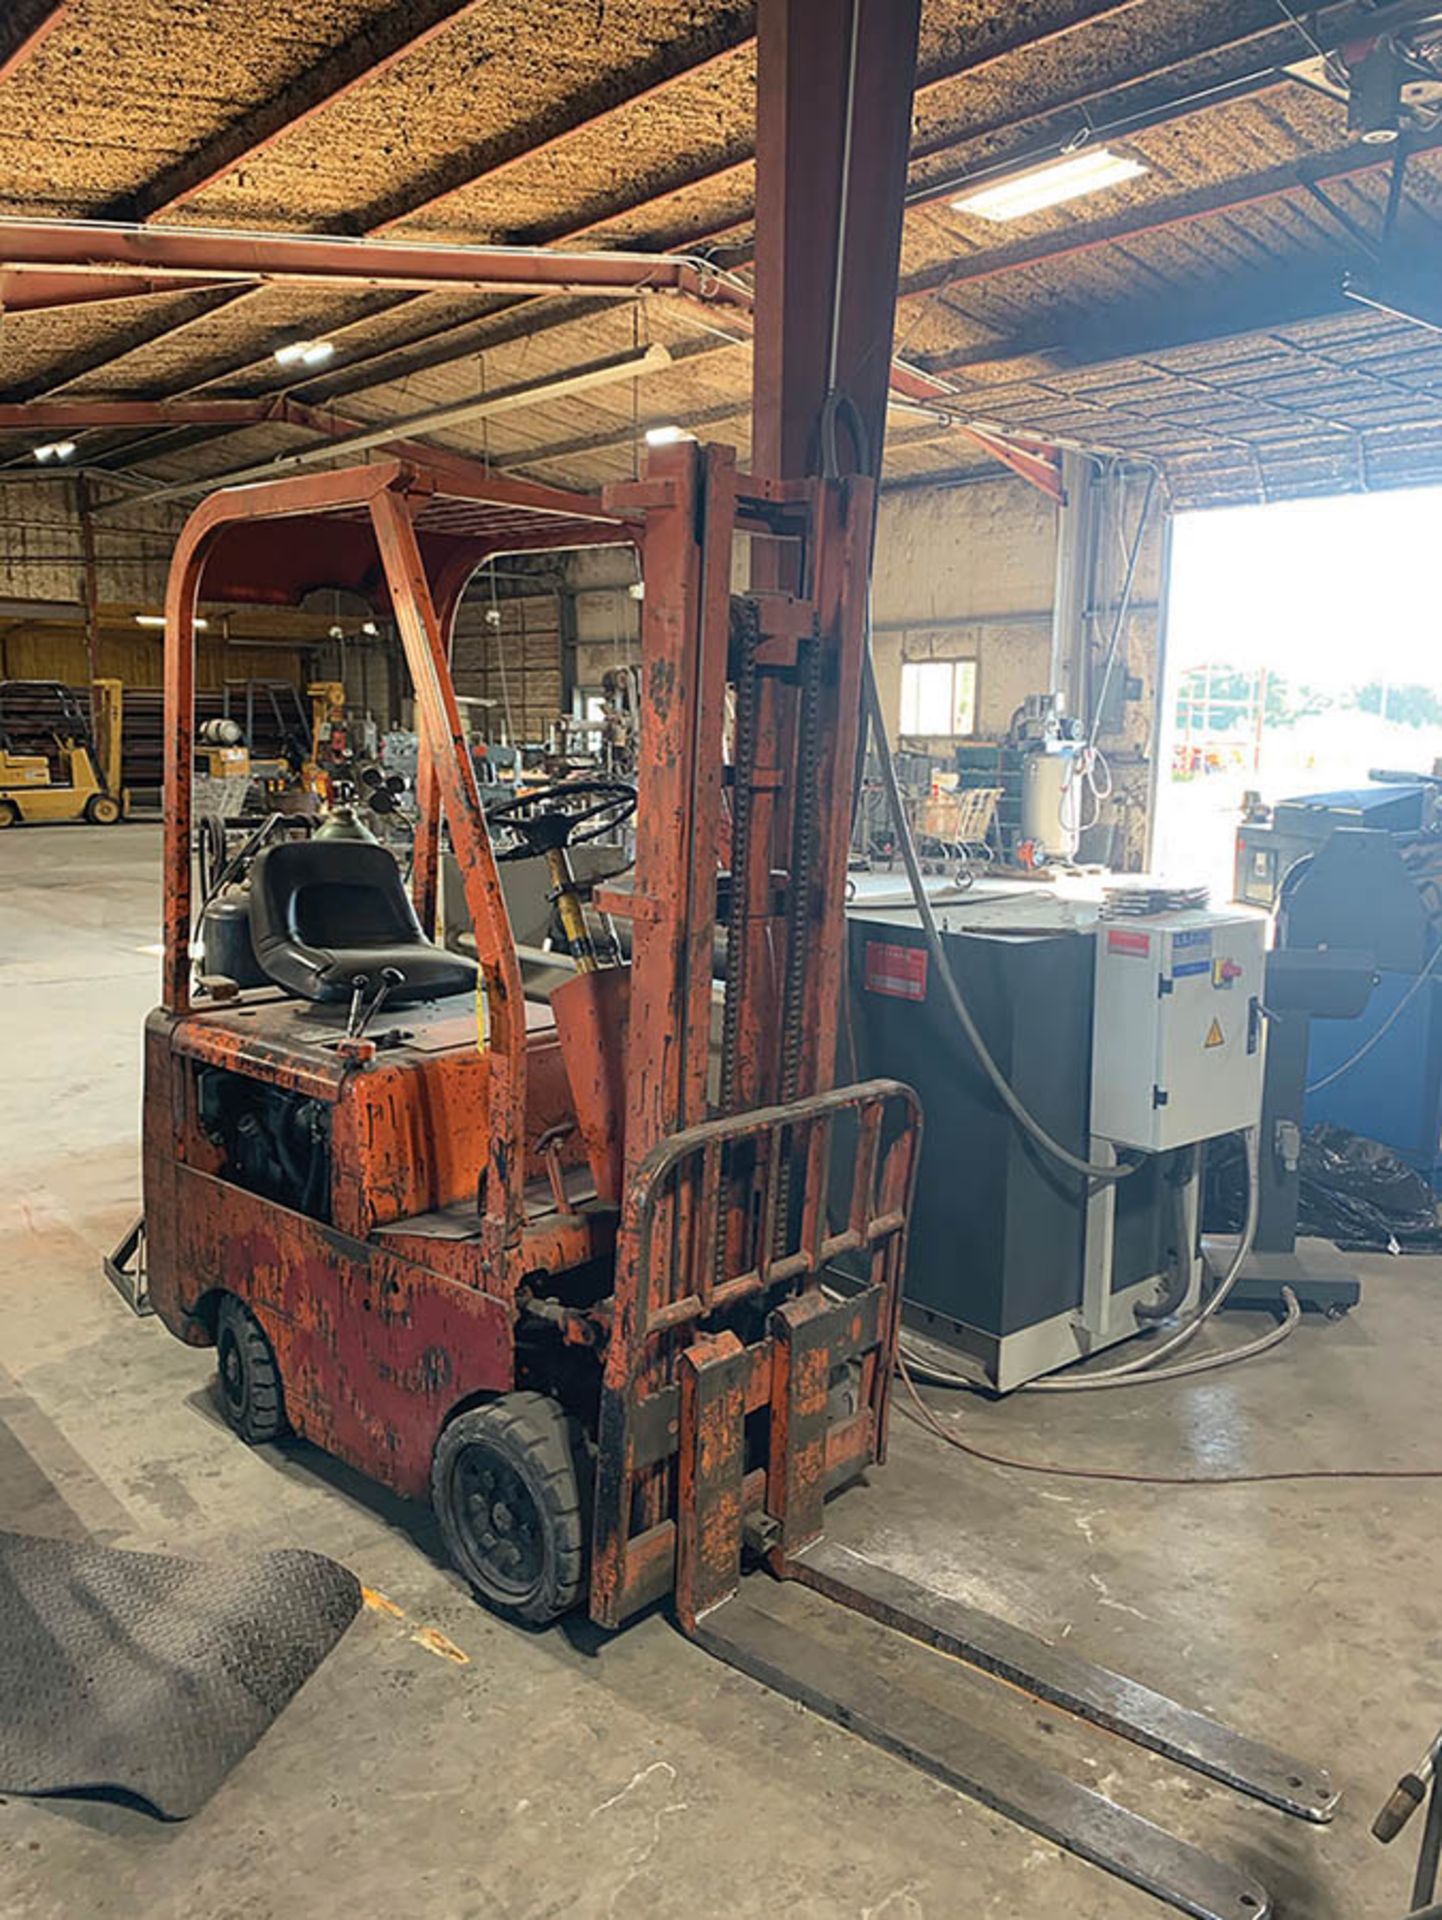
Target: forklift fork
[[926, 1735], [721, 1435]]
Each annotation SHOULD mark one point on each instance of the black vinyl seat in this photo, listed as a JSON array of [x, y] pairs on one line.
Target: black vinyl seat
[[323, 912]]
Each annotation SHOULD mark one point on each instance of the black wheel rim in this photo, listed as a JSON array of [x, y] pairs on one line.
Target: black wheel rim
[[232, 1372], [499, 1523]]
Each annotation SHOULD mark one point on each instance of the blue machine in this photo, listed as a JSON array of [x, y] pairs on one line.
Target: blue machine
[[1380, 892], [1271, 840]]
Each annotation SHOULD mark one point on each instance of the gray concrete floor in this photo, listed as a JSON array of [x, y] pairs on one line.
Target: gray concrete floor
[[565, 1773]]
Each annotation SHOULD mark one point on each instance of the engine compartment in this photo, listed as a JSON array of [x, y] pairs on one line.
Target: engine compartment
[[276, 1143]]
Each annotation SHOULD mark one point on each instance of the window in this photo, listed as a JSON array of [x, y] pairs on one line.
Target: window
[[938, 697]]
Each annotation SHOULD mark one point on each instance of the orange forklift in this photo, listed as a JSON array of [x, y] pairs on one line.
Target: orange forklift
[[613, 1275]]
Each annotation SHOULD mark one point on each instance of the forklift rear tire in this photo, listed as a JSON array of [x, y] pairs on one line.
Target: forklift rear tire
[[9, 814], [102, 810], [506, 1493], [251, 1396]]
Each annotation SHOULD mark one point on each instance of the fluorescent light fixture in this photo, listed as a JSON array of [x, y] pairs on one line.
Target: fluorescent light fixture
[[158, 620], [666, 436], [55, 450], [1069, 178], [305, 353]]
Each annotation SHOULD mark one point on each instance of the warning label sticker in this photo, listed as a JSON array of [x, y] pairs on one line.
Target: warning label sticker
[[894, 970], [1215, 1036], [1121, 940]]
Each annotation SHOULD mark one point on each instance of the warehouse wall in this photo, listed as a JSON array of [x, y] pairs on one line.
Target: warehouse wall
[[954, 570], [517, 664], [40, 553], [607, 618], [970, 573], [966, 573], [42, 586], [38, 649]]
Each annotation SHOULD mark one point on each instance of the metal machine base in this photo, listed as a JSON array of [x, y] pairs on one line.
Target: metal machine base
[[930, 1737], [1320, 1286]]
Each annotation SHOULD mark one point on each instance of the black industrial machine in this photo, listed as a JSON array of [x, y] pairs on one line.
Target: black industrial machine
[[1271, 840], [1139, 1037], [1303, 984]]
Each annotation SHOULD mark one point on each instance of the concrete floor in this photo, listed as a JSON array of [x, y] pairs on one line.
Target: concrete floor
[[564, 1773]]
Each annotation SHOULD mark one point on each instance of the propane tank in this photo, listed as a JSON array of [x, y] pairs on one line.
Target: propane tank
[[225, 940], [344, 823]]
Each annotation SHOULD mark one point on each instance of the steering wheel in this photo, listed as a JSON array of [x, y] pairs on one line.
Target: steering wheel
[[564, 815]]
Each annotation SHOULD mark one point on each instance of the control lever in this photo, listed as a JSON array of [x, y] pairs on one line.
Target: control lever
[[391, 978], [354, 1021]]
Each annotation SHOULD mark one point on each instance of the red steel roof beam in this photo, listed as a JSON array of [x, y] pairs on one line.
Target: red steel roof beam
[[80, 416], [93, 250], [27, 25]]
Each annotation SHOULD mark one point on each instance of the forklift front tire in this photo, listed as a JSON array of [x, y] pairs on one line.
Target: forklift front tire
[[506, 1493], [251, 1397], [9, 814], [102, 810]]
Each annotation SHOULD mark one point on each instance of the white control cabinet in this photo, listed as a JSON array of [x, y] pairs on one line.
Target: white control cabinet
[[1177, 1027]]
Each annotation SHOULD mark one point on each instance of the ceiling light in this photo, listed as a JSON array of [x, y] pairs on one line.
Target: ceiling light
[[637, 589], [305, 353], [55, 450], [158, 620], [1069, 178], [370, 627], [666, 436]]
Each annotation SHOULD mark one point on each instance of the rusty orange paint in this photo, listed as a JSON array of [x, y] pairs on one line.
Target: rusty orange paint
[[446, 1216]]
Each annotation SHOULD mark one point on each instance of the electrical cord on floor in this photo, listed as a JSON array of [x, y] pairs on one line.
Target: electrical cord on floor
[[922, 1416], [933, 1376], [1387, 1025]]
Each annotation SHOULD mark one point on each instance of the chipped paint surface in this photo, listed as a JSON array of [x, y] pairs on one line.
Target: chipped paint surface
[[379, 1603], [434, 1641]]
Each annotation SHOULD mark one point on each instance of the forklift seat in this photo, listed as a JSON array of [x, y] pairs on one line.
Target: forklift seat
[[326, 912]]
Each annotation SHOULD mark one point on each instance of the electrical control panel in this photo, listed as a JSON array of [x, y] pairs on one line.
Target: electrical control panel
[[1177, 1037]]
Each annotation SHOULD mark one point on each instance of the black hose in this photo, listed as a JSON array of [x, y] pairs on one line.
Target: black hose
[[1178, 1178]]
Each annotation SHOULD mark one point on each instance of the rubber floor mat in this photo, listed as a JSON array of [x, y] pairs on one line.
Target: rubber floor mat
[[149, 1674]]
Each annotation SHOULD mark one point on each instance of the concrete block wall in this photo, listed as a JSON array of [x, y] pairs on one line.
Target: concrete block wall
[[40, 554], [965, 573]]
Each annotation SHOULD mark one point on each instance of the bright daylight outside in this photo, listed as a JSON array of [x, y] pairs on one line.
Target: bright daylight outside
[[1302, 653]]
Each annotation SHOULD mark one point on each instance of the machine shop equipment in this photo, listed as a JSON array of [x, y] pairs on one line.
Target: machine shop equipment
[[1302, 985], [1271, 840], [1380, 1074], [1036, 766], [1140, 1037]]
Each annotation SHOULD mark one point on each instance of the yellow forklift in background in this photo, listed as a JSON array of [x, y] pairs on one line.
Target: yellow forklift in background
[[55, 762]]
